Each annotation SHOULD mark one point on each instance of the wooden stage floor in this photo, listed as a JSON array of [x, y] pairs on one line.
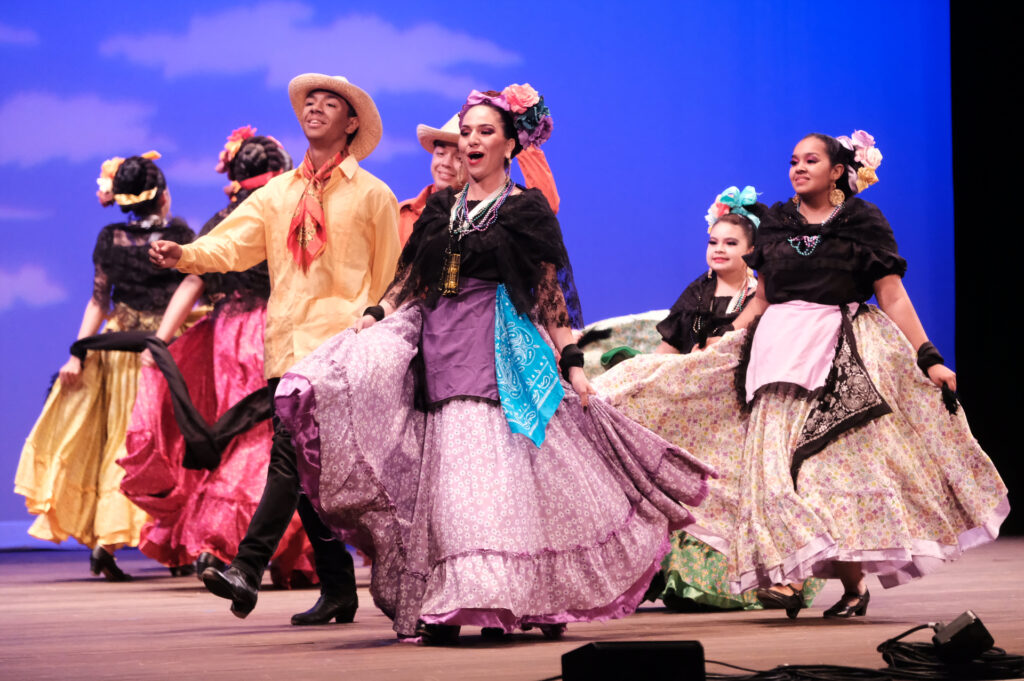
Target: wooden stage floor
[[59, 622]]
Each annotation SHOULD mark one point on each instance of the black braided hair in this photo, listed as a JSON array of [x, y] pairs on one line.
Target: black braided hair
[[838, 154], [135, 176], [256, 156]]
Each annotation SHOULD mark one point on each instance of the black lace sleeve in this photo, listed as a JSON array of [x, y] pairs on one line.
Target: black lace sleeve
[[535, 247], [101, 285], [677, 329], [551, 307], [419, 264]]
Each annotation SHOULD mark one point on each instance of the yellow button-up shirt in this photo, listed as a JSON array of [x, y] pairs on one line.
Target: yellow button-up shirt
[[357, 264]]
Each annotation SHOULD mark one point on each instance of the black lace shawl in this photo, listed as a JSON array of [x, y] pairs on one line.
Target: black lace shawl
[[239, 291], [123, 271], [697, 315], [523, 249], [856, 249]]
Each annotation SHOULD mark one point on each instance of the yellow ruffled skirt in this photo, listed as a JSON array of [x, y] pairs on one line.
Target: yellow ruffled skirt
[[68, 471]]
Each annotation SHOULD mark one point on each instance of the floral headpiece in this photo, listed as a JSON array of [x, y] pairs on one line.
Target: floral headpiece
[[531, 117], [105, 181], [867, 154], [235, 141], [231, 147], [732, 200]]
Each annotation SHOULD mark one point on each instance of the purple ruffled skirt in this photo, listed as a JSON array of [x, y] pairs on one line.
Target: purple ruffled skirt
[[468, 523]]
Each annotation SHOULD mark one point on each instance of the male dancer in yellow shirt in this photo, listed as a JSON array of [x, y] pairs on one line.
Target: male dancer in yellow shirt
[[328, 231]]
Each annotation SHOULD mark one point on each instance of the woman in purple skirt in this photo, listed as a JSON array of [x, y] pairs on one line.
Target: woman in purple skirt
[[440, 439]]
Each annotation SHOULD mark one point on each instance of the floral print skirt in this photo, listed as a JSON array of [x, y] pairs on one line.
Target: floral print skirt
[[469, 523], [900, 494]]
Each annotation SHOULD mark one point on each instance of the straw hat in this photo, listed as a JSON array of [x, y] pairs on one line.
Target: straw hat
[[370, 128], [448, 133]]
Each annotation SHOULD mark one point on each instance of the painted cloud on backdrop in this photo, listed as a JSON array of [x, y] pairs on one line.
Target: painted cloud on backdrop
[[40, 126], [9, 213], [10, 35], [30, 285], [368, 50]]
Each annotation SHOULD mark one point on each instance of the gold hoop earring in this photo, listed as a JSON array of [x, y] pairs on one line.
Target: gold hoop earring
[[836, 196]]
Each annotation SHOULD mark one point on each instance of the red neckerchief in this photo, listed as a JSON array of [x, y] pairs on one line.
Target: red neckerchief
[[307, 236]]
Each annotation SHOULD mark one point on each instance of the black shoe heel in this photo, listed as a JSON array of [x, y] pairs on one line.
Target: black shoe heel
[[234, 585], [844, 609], [207, 560], [102, 562], [438, 634], [342, 609], [773, 600]]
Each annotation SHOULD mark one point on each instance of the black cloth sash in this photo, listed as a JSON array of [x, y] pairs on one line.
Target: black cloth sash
[[204, 443]]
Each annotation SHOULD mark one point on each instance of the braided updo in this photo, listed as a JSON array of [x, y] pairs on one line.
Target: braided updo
[[136, 175], [257, 155]]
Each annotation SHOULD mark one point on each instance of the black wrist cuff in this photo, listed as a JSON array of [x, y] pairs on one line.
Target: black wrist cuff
[[375, 311], [572, 356], [928, 356], [77, 350]]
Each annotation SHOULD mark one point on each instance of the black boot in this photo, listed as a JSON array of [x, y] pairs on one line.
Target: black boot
[[234, 585], [207, 560], [101, 561], [334, 567], [340, 608]]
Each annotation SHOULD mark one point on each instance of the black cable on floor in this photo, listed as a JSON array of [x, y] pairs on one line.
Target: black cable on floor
[[907, 661], [921, 661], [802, 672]]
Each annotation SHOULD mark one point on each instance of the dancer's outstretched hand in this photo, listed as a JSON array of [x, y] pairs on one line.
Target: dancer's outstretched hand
[[581, 385], [164, 254]]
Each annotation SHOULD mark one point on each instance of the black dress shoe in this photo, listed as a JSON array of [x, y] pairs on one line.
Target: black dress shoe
[[235, 585], [340, 608], [101, 561], [207, 560], [850, 605], [552, 632], [438, 634], [776, 600], [182, 570]]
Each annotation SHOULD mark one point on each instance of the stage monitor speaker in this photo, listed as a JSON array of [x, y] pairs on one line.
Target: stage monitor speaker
[[635, 660]]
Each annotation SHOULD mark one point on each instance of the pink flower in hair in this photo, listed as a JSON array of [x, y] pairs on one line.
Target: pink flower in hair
[[520, 97], [845, 141], [871, 158], [862, 139], [231, 147], [716, 211]]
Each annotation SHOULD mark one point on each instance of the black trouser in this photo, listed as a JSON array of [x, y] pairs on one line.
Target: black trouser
[[280, 498]]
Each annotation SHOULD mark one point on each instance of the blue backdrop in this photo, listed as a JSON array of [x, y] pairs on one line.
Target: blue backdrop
[[657, 107]]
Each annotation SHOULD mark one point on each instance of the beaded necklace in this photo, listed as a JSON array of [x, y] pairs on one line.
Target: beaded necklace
[[804, 244], [460, 223]]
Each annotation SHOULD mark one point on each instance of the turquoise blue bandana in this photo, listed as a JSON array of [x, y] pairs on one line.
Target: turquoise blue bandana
[[526, 370]]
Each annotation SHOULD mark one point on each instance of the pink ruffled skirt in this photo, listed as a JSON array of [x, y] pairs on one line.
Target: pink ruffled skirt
[[195, 511]]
